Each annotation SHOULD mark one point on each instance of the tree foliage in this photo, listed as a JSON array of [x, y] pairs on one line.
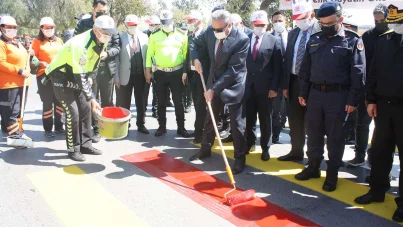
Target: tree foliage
[[119, 9]]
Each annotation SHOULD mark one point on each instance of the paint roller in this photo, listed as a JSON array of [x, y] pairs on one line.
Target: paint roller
[[25, 141], [238, 198]]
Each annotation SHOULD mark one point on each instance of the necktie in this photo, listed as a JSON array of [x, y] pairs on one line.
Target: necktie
[[255, 48], [220, 44], [282, 43], [134, 44], [301, 52]]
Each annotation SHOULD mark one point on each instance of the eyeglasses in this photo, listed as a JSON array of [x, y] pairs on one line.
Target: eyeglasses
[[218, 30]]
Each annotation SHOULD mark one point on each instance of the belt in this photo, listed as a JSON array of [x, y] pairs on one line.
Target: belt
[[168, 70], [330, 87]]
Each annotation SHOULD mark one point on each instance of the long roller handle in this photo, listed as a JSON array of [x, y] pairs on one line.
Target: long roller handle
[[24, 91], [227, 167]]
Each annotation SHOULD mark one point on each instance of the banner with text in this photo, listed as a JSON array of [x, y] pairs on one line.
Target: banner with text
[[347, 4]]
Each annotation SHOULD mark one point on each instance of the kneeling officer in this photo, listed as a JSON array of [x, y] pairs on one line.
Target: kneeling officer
[[69, 72]]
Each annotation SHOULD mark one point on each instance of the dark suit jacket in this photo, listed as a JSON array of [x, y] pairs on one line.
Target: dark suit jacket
[[229, 70], [289, 53], [270, 59]]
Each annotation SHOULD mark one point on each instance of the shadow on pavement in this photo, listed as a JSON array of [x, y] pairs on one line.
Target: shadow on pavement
[[87, 168], [33, 156]]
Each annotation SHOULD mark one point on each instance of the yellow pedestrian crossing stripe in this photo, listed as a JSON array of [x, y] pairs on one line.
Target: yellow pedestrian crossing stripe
[[346, 190], [79, 201]]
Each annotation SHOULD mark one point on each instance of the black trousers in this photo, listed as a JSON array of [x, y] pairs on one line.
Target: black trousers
[[52, 110], [104, 87], [155, 99], [279, 113], [362, 129], [296, 118], [187, 93], [172, 81], [325, 116], [146, 94], [137, 83], [10, 108], [78, 117], [262, 105], [199, 103], [237, 115], [389, 133]]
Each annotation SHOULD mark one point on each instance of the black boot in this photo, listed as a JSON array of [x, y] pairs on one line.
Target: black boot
[[370, 197], [398, 215], [331, 180], [239, 165], [200, 155], [312, 171]]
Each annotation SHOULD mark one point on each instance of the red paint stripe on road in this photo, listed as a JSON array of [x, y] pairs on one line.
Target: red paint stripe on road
[[208, 191]]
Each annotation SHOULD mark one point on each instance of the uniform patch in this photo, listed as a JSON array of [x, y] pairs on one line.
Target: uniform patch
[[360, 46], [315, 44], [82, 61]]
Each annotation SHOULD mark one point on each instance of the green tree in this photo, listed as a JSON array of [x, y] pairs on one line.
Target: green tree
[[119, 9], [242, 7]]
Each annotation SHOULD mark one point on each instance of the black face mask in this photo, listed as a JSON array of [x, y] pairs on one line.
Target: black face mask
[[329, 31], [381, 27], [98, 14]]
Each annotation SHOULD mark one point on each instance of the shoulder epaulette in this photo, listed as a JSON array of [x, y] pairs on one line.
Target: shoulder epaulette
[[388, 32], [352, 32]]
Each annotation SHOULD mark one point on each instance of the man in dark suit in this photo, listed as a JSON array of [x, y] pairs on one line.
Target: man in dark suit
[[297, 39], [264, 63], [227, 50]]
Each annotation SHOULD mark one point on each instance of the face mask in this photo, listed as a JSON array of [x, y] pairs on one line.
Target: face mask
[[398, 28], [304, 24], [329, 31], [48, 32], [381, 27], [279, 27], [10, 33], [132, 30], [103, 38], [258, 30], [168, 28], [98, 14]]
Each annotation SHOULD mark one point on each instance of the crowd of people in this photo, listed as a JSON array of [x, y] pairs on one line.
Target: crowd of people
[[318, 75]]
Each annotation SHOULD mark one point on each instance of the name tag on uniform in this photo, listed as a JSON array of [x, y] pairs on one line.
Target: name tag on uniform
[[315, 44]]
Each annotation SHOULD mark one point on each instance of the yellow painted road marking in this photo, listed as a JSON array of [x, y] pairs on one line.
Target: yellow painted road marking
[[346, 191], [78, 200]]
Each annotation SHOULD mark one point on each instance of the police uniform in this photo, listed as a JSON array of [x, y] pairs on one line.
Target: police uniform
[[169, 52], [384, 89], [69, 72], [333, 70]]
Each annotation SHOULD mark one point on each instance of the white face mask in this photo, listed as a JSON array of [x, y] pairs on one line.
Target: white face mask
[[168, 27], [304, 24], [258, 30], [132, 30], [398, 28], [48, 33], [220, 35], [279, 27], [10, 33], [103, 38]]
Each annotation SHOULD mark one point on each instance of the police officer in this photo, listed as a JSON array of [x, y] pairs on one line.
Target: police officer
[[385, 105], [333, 68], [69, 72], [168, 47]]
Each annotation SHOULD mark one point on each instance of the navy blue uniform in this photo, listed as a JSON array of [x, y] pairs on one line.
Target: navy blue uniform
[[333, 71]]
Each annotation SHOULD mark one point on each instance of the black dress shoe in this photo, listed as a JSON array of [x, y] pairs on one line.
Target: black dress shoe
[[290, 157], [229, 139], [308, 173], [76, 156], [370, 197], [398, 215], [239, 166], [265, 155], [200, 155], [330, 181], [184, 133], [160, 131], [143, 130]]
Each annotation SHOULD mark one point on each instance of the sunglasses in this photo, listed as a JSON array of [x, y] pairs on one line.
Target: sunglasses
[[218, 30]]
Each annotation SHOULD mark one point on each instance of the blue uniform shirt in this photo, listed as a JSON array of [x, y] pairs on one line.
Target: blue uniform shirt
[[336, 61]]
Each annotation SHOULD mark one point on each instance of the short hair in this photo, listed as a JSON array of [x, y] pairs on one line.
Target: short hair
[[221, 15], [380, 9], [96, 2], [339, 13], [278, 12]]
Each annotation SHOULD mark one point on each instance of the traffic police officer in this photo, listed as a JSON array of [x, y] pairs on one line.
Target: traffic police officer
[[333, 68], [385, 104], [168, 46], [69, 72]]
